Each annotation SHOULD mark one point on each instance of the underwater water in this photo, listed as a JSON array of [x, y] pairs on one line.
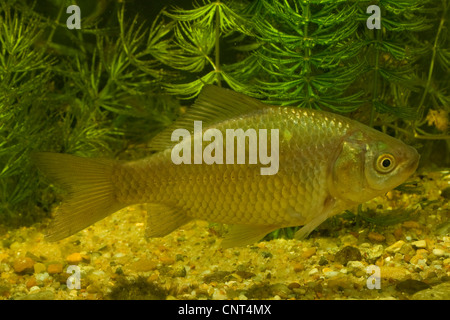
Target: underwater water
[[101, 80]]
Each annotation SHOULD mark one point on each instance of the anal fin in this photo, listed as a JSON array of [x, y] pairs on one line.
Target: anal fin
[[162, 220], [241, 235]]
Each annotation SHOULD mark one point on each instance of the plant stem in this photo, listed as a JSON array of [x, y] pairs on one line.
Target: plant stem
[[433, 57], [53, 28], [217, 46], [307, 14], [375, 76]]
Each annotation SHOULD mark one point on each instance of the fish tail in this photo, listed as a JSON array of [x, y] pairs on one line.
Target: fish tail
[[91, 191]]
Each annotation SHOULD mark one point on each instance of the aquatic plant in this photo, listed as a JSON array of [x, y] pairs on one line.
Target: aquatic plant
[[320, 54], [90, 92]]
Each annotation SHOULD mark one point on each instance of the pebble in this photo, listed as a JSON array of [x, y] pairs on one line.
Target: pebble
[[41, 277], [167, 260], [323, 261], [394, 273], [294, 285], [374, 252], [313, 271], [395, 247], [438, 252], [23, 265], [180, 272], [144, 265], [74, 258], [309, 252], [298, 267], [347, 254], [31, 282], [407, 249], [376, 237], [3, 256], [39, 267], [55, 268], [329, 273], [349, 240], [419, 244], [34, 289], [356, 265]]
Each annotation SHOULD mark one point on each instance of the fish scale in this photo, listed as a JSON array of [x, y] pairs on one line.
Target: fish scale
[[327, 163], [261, 205]]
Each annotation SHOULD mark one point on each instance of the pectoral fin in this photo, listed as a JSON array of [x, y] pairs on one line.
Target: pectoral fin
[[162, 220], [241, 235], [314, 223], [309, 227]]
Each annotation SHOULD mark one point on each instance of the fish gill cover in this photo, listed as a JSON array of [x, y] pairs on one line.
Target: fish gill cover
[[105, 89]]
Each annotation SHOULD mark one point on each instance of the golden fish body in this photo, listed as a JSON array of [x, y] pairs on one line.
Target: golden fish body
[[326, 163]]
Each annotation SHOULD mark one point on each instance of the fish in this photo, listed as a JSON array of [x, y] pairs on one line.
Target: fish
[[327, 163]]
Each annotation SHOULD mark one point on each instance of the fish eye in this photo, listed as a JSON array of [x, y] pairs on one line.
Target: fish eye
[[385, 163]]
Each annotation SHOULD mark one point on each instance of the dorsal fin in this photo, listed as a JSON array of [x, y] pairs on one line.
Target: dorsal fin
[[212, 106]]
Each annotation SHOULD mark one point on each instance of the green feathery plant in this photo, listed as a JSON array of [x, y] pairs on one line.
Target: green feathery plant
[[320, 54], [198, 35], [309, 51], [92, 92], [24, 93]]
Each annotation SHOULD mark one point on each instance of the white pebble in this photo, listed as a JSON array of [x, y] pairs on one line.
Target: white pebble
[[313, 271], [34, 289], [40, 277], [355, 265], [438, 252], [331, 274]]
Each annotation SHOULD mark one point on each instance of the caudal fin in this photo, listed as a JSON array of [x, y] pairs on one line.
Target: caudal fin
[[91, 192]]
